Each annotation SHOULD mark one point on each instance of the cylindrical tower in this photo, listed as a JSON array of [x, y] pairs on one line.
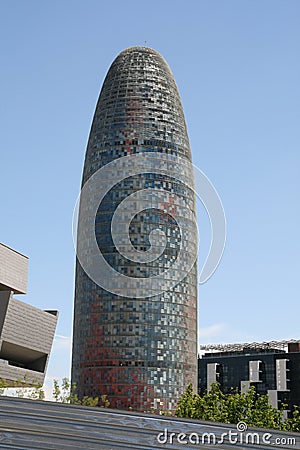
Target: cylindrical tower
[[139, 350]]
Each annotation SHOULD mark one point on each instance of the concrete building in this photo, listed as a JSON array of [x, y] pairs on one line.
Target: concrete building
[[13, 270], [272, 367], [137, 347], [26, 332]]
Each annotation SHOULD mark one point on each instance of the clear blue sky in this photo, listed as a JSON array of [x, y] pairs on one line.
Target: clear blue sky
[[237, 66]]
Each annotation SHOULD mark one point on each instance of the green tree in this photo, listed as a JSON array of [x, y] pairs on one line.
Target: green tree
[[66, 393], [19, 388], [187, 404], [250, 407], [104, 401], [293, 424], [63, 392], [3, 386]]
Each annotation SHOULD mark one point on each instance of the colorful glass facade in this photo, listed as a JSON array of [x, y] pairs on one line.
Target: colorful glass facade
[[140, 352]]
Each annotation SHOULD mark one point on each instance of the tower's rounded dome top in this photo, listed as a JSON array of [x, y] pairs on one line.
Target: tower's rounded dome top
[[139, 57], [139, 106], [139, 109], [140, 48]]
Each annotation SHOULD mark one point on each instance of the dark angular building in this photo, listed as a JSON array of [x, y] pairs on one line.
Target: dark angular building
[[268, 367], [138, 349]]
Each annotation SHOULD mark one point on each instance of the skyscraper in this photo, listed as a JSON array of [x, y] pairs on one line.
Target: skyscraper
[[135, 331]]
